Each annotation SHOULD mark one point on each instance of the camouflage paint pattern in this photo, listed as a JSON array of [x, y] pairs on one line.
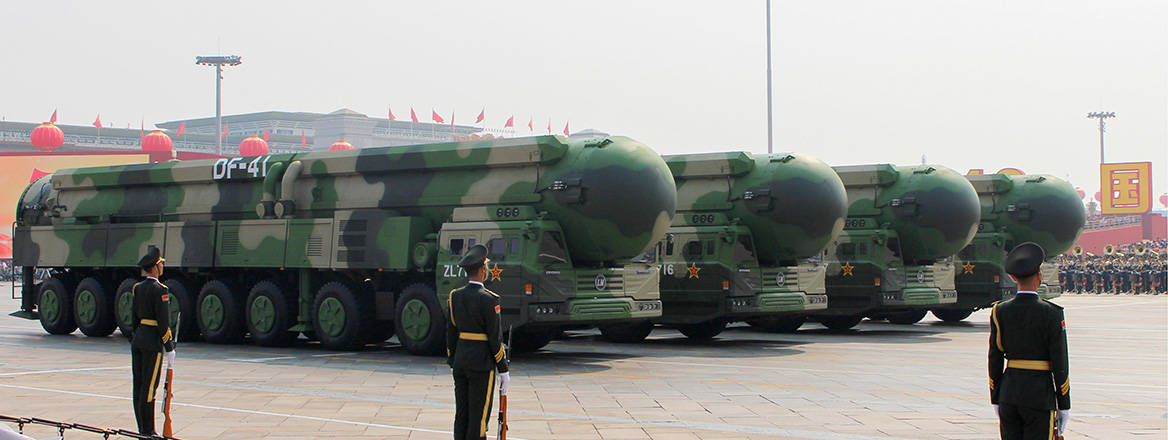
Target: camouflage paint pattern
[[748, 236], [1016, 209]]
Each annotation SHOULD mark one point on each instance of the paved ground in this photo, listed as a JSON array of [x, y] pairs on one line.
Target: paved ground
[[925, 381]]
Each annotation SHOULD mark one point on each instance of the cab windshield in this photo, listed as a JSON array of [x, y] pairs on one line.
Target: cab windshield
[[552, 249]]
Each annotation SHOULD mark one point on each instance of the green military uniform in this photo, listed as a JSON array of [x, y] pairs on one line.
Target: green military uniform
[[152, 336], [1028, 363], [474, 350]]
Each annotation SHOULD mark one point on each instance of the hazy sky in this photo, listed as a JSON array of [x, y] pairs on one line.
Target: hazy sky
[[972, 84]]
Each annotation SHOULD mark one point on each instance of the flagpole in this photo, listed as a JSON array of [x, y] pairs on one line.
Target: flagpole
[[770, 117]]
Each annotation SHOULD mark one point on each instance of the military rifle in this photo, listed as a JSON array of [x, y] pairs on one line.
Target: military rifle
[[503, 397]]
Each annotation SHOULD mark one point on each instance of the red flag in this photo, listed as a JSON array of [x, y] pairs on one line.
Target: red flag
[[510, 122], [37, 174], [566, 133], [303, 140], [97, 123], [224, 135], [531, 127], [482, 115], [452, 119], [266, 136], [141, 128], [413, 115], [549, 126], [434, 116], [53, 119], [391, 116], [181, 128]]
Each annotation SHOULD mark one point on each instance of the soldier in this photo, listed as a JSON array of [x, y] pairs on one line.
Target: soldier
[[1028, 340], [151, 337], [474, 348]]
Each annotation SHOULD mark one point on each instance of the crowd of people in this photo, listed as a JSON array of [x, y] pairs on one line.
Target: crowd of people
[[1138, 268]]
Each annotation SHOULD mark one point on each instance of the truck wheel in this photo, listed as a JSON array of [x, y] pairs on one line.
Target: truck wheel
[[182, 300], [528, 339], [840, 322], [629, 332], [907, 318], [703, 330], [340, 317], [270, 313], [124, 306], [419, 321], [221, 317], [55, 303], [93, 309], [952, 315], [778, 324]]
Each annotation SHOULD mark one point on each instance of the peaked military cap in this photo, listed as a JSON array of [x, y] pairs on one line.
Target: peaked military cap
[[153, 256], [474, 257], [1025, 259]]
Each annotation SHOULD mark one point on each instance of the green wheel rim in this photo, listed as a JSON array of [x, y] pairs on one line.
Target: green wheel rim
[[416, 319], [50, 305], [125, 308], [86, 307], [263, 314], [212, 313], [332, 317]]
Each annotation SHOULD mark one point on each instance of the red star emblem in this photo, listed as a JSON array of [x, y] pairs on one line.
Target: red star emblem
[[847, 269], [693, 270], [496, 273], [968, 268]]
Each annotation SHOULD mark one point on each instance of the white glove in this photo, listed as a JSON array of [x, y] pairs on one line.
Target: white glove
[[997, 411], [169, 356], [1064, 417], [504, 381]]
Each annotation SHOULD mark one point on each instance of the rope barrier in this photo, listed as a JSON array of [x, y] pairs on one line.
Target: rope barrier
[[62, 427]]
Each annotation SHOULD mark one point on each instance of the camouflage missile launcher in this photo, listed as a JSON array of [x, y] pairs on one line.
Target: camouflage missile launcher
[[1014, 209], [894, 259], [351, 247], [746, 244]]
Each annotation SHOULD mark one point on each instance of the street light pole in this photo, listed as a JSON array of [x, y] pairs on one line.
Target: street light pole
[[770, 117], [1101, 116], [219, 62]]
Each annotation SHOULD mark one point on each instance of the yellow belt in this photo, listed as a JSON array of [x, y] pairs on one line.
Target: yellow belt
[[149, 322], [1023, 364], [472, 336]]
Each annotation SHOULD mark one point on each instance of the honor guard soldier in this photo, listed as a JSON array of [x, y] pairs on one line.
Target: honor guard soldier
[[152, 336], [474, 348], [1029, 377]]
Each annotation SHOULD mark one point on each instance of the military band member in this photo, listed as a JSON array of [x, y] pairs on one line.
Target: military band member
[[474, 348], [1029, 372], [152, 336]]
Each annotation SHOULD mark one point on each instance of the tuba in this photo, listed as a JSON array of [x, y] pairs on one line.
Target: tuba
[[1109, 249], [1078, 251], [1140, 250]]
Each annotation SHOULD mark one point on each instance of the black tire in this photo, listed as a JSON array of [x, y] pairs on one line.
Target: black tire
[[182, 296], [419, 321], [703, 330], [124, 306], [528, 339], [220, 313], [55, 304], [907, 318], [778, 324], [379, 331], [269, 327], [840, 322], [626, 333], [952, 315], [93, 308], [339, 317]]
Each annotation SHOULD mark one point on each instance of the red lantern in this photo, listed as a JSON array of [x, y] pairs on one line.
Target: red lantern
[[1081, 192], [341, 145], [47, 137], [1098, 196], [1164, 200], [156, 141], [253, 146]]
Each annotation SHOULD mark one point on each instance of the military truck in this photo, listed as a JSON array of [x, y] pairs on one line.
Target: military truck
[[1014, 209], [746, 244], [351, 247], [894, 258]]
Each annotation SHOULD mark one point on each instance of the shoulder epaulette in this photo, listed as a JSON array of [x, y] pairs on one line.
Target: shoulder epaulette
[[1053, 304], [496, 295]]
